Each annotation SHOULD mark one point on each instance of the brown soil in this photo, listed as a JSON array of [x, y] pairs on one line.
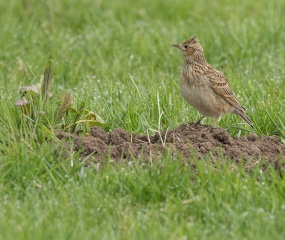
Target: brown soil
[[184, 141]]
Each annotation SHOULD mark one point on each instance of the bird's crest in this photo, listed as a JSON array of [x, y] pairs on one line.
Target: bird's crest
[[193, 40]]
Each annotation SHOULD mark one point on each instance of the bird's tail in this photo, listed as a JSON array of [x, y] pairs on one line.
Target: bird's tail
[[246, 118]]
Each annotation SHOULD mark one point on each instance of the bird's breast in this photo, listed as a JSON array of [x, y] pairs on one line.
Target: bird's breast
[[200, 95]]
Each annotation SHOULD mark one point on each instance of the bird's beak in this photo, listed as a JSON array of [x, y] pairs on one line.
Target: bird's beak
[[175, 45]]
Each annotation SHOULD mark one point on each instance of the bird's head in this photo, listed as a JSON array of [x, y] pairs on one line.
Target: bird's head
[[191, 50]]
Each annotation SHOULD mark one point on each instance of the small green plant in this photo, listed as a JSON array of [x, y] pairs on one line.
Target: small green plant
[[39, 109]]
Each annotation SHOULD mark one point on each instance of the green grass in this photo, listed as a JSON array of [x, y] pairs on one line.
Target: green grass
[[116, 56]]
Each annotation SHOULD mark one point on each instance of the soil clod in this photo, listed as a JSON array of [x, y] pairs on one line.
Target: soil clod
[[182, 141]]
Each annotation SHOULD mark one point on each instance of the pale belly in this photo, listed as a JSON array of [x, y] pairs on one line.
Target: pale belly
[[204, 100]]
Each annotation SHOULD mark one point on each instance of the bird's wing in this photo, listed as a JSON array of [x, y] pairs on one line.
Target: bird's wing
[[221, 86]]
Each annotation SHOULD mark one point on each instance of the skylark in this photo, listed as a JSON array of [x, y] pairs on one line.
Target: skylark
[[204, 87]]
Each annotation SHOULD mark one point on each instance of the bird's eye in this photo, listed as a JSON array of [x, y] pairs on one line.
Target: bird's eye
[[185, 46]]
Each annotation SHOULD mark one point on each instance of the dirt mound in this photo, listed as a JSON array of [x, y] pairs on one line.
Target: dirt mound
[[183, 141]]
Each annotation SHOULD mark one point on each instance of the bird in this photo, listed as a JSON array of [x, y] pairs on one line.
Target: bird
[[204, 87]]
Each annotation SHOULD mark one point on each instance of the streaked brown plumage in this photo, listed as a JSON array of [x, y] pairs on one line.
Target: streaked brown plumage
[[204, 87]]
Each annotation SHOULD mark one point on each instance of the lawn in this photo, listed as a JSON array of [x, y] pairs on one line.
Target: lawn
[[116, 58]]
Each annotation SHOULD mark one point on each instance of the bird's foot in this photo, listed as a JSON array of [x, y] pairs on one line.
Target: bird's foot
[[208, 129], [192, 126]]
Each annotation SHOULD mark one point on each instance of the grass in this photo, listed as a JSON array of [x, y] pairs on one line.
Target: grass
[[116, 56]]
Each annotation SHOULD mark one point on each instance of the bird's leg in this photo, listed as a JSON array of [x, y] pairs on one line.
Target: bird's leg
[[211, 125], [193, 126], [198, 122]]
